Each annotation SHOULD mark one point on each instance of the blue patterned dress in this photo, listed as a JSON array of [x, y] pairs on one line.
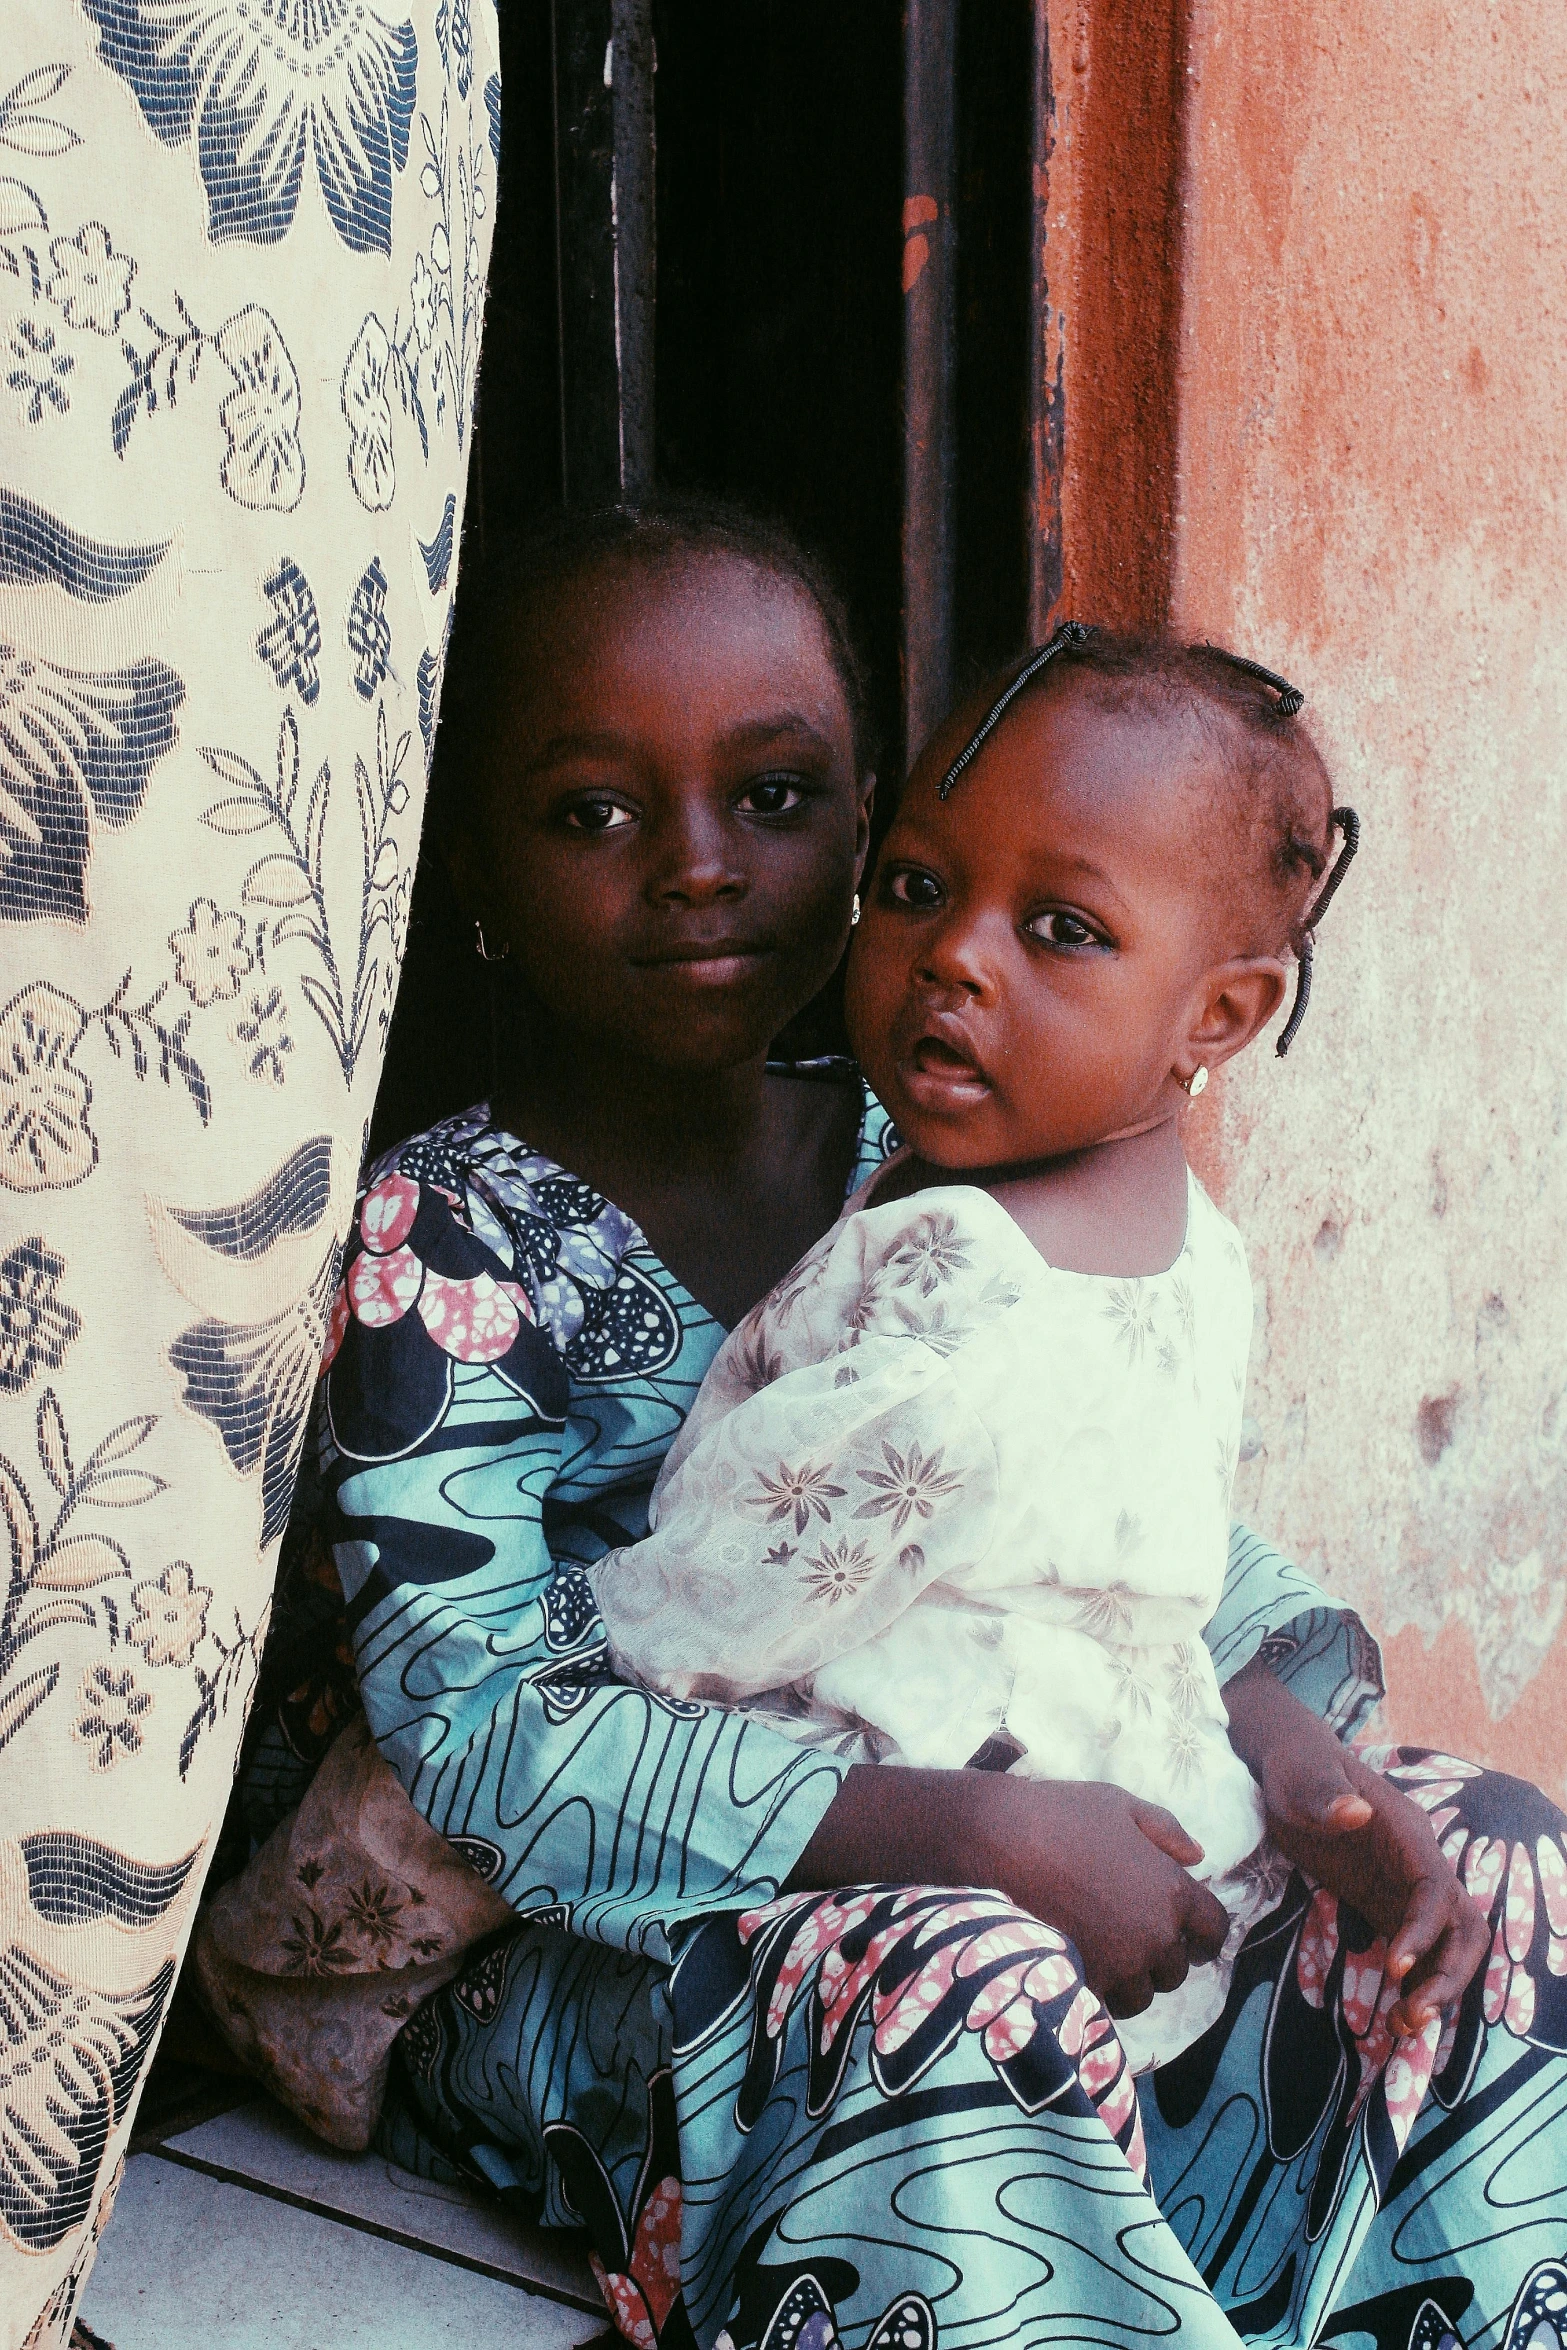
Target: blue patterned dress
[[890, 2116]]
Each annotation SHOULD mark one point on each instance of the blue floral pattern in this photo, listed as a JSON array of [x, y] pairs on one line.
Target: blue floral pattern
[[258, 90], [368, 631], [290, 644], [201, 203], [75, 745]]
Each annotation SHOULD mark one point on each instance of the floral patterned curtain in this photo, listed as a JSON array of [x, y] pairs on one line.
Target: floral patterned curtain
[[242, 259]]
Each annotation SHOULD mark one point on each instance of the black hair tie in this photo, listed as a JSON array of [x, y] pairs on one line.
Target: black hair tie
[[1291, 700], [1346, 821], [1070, 632]]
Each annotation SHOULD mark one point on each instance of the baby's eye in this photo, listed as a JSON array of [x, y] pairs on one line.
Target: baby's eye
[[1060, 929], [912, 886], [771, 795], [597, 815]]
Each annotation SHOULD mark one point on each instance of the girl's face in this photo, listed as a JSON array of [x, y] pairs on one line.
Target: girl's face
[[674, 826], [1038, 968]]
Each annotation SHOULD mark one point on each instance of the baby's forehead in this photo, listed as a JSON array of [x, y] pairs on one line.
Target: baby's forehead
[[1134, 773]]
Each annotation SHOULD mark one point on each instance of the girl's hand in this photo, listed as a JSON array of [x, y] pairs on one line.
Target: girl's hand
[[1102, 1867], [1362, 1839]]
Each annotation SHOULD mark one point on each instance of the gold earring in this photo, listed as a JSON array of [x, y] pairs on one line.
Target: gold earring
[[484, 953], [854, 910], [1197, 1082]]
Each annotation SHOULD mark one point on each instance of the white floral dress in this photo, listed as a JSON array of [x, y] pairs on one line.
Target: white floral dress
[[938, 1498]]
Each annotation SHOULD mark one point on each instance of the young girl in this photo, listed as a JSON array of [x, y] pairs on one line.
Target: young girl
[[964, 1477], [760, 2150]]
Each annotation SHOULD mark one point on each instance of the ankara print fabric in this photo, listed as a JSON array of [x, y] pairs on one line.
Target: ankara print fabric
[[240, 299], [889, 2118]]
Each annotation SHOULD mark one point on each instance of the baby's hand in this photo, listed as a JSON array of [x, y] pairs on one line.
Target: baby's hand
[[1363, 1839]]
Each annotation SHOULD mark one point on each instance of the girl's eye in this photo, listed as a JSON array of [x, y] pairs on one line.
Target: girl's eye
[[771, 795], [914, 887], [597, 816], [1057, 929]]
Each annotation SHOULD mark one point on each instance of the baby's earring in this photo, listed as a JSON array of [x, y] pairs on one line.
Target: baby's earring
[[484, 953], [1197, 1082], [854, 910]]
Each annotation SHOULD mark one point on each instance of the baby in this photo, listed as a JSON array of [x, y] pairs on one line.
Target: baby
[[958, 1491]]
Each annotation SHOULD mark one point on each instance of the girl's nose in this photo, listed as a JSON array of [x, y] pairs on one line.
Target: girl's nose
[[693, 861]]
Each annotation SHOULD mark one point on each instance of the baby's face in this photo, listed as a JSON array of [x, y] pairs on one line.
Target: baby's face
[[1035, 947]]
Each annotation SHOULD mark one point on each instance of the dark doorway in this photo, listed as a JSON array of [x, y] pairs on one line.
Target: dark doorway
[[776, 366]]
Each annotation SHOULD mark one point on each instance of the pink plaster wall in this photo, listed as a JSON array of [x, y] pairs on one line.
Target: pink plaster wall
[[1370, 405]]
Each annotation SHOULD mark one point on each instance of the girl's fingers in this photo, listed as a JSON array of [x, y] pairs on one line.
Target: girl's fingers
[[1321, 1796], [1442, 1976], [1426, 1919]]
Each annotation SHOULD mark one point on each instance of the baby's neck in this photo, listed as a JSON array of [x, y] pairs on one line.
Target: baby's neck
[[1117, 1208]]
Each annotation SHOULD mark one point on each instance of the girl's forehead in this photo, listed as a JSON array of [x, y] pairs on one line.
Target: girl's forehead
[[714, 616], [712, 591]]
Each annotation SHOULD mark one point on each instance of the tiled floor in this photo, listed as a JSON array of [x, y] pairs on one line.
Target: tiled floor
[[244, 2234]]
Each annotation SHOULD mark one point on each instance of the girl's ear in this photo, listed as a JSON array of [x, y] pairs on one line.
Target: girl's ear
[[1238, 1000], [862, 826]]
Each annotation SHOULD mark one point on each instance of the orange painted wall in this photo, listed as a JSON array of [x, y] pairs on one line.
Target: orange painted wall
[[1352, 464]]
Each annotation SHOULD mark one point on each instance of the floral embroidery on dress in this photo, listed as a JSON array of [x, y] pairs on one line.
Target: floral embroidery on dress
[[931, 1254], [837, 1570], [1131, 1308], [799, 1493], [254, 93], [911, 1485]]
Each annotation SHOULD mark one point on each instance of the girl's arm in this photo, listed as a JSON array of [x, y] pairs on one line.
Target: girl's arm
[[1300, 1676], [1318, 1649]]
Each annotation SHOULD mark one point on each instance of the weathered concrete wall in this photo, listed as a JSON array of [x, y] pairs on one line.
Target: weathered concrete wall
[[1307, 291], [1371, 495]]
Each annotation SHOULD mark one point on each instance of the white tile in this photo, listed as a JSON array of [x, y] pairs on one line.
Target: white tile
[[261, 2141], [191, 2263]]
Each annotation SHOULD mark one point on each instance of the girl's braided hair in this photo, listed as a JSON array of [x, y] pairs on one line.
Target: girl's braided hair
[[1281, 798]]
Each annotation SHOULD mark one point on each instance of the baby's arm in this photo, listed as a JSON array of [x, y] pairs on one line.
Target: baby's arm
[[800, 1522]]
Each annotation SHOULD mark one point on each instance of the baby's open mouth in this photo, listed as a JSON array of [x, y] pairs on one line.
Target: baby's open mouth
[[937, 1058], [940, 1075]]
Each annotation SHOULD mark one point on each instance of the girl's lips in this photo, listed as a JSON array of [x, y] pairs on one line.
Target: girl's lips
[[723, 964], [938, 1077]]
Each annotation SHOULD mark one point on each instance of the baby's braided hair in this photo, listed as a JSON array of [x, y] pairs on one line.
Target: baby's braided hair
[[1217, 683]]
